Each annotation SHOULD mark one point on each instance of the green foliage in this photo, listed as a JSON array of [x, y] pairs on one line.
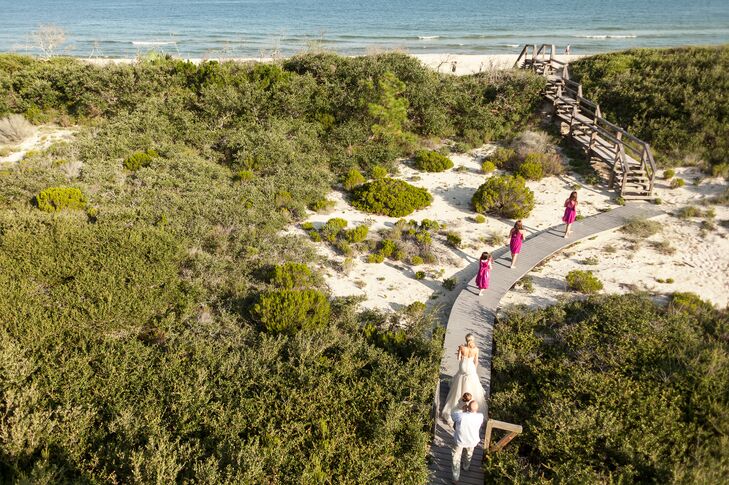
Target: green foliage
[[688, 212], [290, 311], [615, 377], [333, 227], [415, 308], [479, 219], [354, 178], [720, 170], [530, 169], [376, 258], [453, 239], [358, 234], [488, 166], [322, 205], [583, 281], [379, 172], [505, 196], [677, 182], [420, 275], [639, 228], [137, 160], [416, 260], [503, 158], [243, 176], [387, 247], [390, 112], [54, 199], [390, 197], [432, 161], [668, 174], [667, 97], [450, 283], [291, 276]]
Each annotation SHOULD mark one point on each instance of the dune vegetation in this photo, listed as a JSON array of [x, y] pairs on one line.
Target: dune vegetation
[[675, 99], [157, 324]]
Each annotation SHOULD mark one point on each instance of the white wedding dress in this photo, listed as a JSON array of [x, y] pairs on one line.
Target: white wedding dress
[[465, 380]]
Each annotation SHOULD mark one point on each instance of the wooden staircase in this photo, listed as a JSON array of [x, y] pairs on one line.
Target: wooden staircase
[[628, 158]]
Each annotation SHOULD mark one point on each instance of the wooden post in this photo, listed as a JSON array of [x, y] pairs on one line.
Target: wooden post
[[491, 424]]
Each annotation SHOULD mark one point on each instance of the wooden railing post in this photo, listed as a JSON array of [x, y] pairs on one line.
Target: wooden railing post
[[491, 424]]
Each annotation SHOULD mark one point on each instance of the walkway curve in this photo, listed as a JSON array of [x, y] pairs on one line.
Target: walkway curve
[[473, 314]]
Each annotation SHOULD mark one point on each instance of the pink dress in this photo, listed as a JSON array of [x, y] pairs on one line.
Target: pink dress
[[570, 213], [515, 243], [484, 274]]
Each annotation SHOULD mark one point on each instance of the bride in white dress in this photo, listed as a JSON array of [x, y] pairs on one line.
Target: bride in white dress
[[465, 380]]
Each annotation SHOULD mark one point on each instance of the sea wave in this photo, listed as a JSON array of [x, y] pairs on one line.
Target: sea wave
[[606, 36], [152, 42], [428, 37]]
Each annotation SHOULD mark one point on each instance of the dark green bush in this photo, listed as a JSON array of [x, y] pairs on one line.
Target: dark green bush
[[358, 234], [54, 199], [379, 172], [450, 283], [353, 179], [677, 182], [420, 275], [322, 205], [668, 174], [432, 161], [503, 158], [530, 170], [453, 239], [289, 311], [506, 196], [615, 377], [137, 160], [488, 166], [333, 228], [291, 276], [390, 197], [583, 281]]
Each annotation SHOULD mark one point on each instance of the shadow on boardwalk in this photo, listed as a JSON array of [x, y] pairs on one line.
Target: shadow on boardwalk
[[473, 314]]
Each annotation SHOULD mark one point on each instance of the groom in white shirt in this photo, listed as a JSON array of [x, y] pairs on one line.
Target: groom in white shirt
[[467, 425]]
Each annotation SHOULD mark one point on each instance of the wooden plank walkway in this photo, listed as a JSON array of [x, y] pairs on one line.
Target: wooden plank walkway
[[473, 314]]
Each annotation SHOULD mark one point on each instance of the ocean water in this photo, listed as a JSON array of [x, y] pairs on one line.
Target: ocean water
[[251, 28]]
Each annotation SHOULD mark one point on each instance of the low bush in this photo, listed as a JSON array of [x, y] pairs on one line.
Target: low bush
[[387, 248], [137, 160], [505, 196], [243, 176], [583, 281], [677, 182], [290, 311], [688, 212], [450, 283], [479, 219], [353, 178], [390, 197], [415, 308], [453, 239], [54, 199], [14, 129], [720, 170], [358, 234], [503, 158], [333, 227], [420, 275], [416, 260], [291, 276], [531, 168], [431, 161], [641, 228], [322, 206], [668, 174], [378, 172], [531, 142], [526, 283], [376, 258], [488, 166]]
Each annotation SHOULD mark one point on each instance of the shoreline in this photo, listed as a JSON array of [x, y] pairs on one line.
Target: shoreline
[[464, 63]]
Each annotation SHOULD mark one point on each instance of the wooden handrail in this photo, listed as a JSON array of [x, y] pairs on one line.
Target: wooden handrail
[[491, 424]]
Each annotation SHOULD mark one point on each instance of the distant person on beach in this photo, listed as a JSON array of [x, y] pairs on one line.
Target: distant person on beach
[[467, 425], [516, 237], [570, 213], [484, 272], [567, 50], [453, 66]]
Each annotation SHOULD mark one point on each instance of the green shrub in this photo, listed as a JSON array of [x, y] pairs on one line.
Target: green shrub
[[358, 234], [137, 160], [420, 275], [353, 179], [289, 311], [720, 170], [379, 172], [526, 283], [322, 206], [583, 281], [506, 196], [344, 247], [387, 247], [688, 212], [415, 308], [639, 228], [668, 174], [240, 175], [291, 276], [503, 158], [530, 169], [376, 258], [488, 166], [677, 182], [450, 283], [333, 227], [54, 199], [390, 197], [431, 161], [416, 260], [479, 219], [453, 239], [429, 225]]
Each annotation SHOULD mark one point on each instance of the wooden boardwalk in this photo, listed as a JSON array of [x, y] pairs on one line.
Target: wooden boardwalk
[[629, 159], [474, 314]]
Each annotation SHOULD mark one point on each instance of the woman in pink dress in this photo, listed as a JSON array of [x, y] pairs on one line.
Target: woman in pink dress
[[570, 213], [516, 236], [484, 272]]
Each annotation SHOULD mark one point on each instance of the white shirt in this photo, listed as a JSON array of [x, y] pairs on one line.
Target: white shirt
[[467, 426]]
